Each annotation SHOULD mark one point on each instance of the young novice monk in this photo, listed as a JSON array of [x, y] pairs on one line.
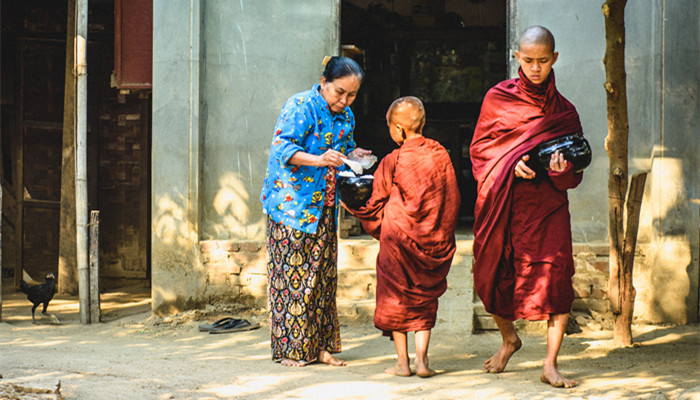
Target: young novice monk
[[523, 260], [413, 212]]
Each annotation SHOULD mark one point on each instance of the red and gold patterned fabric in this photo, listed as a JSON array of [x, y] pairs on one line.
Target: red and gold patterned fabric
[[302, 284]]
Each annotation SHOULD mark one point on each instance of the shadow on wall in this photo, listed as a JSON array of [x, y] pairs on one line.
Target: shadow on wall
[[671, 275], [178, 276], [231, 216]]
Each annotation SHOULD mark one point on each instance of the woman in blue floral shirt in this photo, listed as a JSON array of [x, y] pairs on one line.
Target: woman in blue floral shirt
[[313, 135]]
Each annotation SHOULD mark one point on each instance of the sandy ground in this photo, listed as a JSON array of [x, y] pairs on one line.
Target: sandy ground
[[133, 355]]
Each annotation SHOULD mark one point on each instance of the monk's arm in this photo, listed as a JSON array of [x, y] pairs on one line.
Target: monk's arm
[[566, 179], [372, 213]]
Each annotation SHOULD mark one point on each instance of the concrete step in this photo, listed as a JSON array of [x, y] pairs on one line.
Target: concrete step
[[357, 275], [353, 311], [357, 283]]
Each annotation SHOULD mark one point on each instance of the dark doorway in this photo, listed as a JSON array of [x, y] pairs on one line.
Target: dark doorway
[[448, 53]]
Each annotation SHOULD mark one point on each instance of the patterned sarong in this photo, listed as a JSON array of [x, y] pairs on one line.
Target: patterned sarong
[[302, 283]]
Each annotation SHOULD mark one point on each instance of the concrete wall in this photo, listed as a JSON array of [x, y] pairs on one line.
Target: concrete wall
[[670, 215], [662, 82], [221, 72]]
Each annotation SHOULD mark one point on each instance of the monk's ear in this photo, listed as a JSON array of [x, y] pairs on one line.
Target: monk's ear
[[555, 56]]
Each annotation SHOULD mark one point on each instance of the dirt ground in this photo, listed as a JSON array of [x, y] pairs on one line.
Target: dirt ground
[[132, 355]]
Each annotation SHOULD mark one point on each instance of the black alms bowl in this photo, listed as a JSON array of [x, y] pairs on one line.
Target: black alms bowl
[[575, 149], [354, 191]]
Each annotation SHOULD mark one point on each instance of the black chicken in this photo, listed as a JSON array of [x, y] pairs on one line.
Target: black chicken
[[40, 294]]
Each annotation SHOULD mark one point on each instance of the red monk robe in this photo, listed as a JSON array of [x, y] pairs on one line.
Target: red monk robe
[[413, 212], [523, 260]]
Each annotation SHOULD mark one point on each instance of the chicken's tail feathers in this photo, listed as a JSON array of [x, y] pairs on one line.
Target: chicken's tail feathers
[[24, 286]]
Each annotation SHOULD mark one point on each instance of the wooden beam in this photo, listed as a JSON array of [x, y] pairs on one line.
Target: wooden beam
[[95, 312]]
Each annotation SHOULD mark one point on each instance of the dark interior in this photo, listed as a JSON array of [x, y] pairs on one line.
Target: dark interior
[[447, 53]]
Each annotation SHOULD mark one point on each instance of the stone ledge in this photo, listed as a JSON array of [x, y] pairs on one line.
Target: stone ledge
[[243, 264]]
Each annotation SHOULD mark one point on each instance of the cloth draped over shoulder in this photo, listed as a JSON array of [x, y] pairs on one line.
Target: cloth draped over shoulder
[[516, 116], [413, 212]]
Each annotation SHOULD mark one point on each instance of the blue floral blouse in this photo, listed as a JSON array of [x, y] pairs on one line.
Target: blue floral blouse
[[291, 194]]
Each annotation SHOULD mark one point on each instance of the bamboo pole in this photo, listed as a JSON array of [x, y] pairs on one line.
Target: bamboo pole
[[81, 212]]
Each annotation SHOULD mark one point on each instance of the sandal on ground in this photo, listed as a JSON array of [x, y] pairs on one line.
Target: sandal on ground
[[219, 323], [236, 325]]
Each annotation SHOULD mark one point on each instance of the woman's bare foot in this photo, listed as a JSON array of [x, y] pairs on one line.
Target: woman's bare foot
[[292, 363], [498, 362], [400, 369], [327, 358], [551, 375]]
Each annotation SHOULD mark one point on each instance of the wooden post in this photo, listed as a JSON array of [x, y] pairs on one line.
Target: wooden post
[[622, 241], [67, 279], [0, 246], [95, 312], [622, 333]]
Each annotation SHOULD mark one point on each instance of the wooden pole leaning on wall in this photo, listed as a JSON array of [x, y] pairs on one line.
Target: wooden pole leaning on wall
[[0, 249], [95, 312]]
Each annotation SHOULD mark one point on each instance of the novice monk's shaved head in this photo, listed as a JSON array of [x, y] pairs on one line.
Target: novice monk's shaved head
[[537, 35], [536, 54], [408, 112]]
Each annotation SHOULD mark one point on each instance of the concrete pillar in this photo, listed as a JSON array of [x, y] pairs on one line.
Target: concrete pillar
[[176, 270]]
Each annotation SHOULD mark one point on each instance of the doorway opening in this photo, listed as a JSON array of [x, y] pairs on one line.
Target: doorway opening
[[447, 53]]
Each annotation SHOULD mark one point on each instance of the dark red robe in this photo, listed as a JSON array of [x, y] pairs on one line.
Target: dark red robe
[[413, 212], [523, 260]]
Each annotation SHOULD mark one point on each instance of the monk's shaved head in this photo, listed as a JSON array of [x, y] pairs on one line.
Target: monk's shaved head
[[409, 112], [537, 35]]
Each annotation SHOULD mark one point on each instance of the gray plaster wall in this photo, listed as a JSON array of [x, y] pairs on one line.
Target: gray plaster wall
[[661, 60], [221, 72], [256, 54]]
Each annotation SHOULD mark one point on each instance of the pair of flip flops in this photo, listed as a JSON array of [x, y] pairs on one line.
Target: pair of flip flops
[[228, 325]]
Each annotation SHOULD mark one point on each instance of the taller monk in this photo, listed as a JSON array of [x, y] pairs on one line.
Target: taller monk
[[523, 261]]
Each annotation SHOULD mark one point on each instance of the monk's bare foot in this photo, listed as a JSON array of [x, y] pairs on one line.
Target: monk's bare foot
[[400, 369], [292, 363], [551, 376], [498, 362], [425, 372], [327, 358], [422, 368]]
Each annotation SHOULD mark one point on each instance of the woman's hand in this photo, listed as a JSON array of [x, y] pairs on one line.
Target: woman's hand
[[330, 158], [522, 170], [359, 152], [558, 163]]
